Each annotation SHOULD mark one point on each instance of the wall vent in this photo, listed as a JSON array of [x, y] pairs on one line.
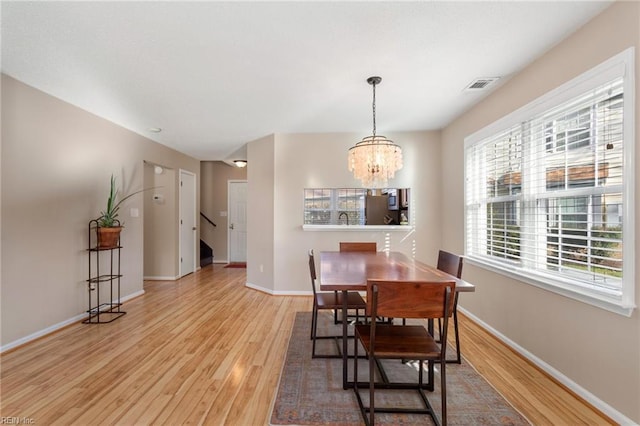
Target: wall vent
[[481, 83]]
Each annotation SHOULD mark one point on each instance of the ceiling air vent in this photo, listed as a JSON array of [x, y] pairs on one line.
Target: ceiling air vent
[[480, 83]]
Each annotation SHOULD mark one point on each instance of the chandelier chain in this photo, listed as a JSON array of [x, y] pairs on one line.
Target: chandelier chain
[[374, 110]]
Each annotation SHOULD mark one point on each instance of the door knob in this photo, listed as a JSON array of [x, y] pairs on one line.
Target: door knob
[[231, 226]]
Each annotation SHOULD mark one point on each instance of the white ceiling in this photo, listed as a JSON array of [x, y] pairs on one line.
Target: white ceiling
[[216, 75]]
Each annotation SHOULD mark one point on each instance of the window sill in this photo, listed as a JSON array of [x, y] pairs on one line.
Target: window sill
[[598, 299], [348, 228]]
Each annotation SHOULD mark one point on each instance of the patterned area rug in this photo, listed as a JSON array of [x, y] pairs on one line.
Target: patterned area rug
[[310, 390]]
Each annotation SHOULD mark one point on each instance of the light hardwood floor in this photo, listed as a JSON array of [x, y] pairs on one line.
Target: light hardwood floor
[[207, 350]]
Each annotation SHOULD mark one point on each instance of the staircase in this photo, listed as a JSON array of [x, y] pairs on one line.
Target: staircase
[[206, 254]]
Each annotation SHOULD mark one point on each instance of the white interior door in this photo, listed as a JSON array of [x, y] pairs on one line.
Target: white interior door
[[237, 221], [187, 222]]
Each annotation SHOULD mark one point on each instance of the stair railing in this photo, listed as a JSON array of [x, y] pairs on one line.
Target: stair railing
[[208, 220]]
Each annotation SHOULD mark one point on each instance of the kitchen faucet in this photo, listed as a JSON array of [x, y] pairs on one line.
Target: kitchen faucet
[[344, 213]]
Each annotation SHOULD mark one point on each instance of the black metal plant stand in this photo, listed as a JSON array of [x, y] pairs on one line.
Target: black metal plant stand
[[102, 277]]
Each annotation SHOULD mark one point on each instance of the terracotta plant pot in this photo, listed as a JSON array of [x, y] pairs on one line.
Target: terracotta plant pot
[[108, 237]]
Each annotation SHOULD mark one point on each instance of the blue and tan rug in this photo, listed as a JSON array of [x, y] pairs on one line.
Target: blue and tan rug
[[310, 390]]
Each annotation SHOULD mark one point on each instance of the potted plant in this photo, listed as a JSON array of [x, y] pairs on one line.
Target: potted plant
[[109, 226]]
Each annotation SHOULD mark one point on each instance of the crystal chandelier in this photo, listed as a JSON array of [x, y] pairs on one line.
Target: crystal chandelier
[[375, 159]]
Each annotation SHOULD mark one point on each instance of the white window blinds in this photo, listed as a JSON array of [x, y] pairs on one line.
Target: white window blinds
[[545, 196]]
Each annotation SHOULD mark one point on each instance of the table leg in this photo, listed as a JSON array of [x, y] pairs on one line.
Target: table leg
[[430, 385]]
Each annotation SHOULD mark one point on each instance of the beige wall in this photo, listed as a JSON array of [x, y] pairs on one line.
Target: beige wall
[[283, 165], [260, 213], [214, 178], [596, 349], [56, 163]]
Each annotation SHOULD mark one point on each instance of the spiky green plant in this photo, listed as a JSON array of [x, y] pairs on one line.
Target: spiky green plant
[[109, 216]]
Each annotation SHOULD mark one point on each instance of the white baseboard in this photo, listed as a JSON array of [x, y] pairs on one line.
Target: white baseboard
[[160, 278], [42, 332], [566, 381], [132, 296], [58, 326], [278, 293]]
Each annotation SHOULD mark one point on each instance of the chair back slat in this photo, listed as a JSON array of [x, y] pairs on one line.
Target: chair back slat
[[450, 263], [312, 271], [359, 246], [410, 299]]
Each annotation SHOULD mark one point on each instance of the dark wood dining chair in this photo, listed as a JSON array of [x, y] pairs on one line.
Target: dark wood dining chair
[[404, 299], [452, 265], [359, 246], [329, 301], [355, 246]]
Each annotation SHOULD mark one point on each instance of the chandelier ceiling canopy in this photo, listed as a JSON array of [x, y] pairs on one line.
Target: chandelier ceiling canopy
[[375, 159]]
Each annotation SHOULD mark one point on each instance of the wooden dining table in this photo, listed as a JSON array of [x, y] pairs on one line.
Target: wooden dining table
[[349, 271]]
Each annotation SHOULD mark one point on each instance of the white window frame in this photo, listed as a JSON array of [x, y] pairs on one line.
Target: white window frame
[[623, 302], [333, 209]]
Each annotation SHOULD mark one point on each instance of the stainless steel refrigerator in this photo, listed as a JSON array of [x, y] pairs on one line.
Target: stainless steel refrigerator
[[376, 208]]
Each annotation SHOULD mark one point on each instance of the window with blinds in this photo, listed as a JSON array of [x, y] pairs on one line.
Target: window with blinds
[[547, 196]]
